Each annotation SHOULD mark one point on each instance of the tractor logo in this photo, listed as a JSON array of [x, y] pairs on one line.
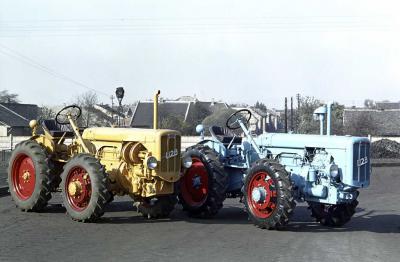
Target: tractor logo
[[172, 153], [362, 161]]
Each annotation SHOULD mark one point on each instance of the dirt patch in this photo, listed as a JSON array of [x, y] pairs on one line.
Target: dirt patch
[[385, 148]]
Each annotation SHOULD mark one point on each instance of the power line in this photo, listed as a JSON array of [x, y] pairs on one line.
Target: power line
[[29, 61], [153, 26]]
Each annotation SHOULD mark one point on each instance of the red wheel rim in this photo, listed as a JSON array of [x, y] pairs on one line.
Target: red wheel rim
[[262, 195], [194, 184], [23, 176], [78, 188]]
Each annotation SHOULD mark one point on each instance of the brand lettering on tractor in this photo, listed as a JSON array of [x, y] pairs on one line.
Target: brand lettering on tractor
[[172, 153], [362, 161]]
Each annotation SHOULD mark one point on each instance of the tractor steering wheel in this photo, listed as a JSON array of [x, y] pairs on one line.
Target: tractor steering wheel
[[244, 115], [62, 116]]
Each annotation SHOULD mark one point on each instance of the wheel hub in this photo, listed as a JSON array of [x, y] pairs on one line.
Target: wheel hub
[[26, 175], [196, 181], [259, 194], [75, 188]]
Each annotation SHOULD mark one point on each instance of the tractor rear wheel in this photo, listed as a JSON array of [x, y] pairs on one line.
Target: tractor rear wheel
[[203, 186], [157, 207], [268, 195], [333, 215], [28, 176], [84, 188]]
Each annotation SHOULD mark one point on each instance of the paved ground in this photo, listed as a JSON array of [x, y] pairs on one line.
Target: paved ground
[[372, 235]]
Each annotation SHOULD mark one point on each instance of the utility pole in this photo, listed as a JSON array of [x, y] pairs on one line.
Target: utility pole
[[291, 114], [298, 113], [286, 127]]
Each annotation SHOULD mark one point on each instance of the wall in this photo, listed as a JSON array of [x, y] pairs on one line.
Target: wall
[[9, 142], [188, 141], [3, 131]]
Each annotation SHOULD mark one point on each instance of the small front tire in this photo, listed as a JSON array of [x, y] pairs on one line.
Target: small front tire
[[157, 207], [268, 195], [333, 215], [84, 188]]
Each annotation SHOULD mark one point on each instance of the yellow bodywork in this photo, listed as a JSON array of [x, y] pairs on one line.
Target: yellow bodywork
[[124, 153]]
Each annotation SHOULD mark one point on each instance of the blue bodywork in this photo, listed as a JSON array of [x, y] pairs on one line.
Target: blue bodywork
[[323, 168]]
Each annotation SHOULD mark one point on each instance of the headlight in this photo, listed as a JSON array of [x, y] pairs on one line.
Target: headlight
[[151, 162], [334, 171], [187, 161]]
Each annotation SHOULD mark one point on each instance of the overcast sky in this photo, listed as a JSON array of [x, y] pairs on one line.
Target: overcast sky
[[231, 50]]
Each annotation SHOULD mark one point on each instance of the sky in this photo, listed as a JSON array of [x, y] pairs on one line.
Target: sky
[[235, 51]]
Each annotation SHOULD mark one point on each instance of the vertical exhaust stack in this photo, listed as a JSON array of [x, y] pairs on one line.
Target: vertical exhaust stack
[[155, 110], [328, 118]]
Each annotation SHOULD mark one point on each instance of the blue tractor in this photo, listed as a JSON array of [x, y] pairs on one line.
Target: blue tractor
[[271, 171]]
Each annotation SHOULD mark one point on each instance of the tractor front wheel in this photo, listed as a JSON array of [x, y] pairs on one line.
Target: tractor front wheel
[[84, 188], [333, 215], [157, 207], [28, 176], [268, 195]]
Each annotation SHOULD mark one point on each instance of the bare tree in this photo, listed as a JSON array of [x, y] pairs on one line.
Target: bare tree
[[369, 103], [218, 118], [307, 124], [6, 97], [87, 101], [90, 115], [46, 112]]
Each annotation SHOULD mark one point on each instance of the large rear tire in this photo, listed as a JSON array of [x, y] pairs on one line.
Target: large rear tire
[[333, 215], [29, 176], [157, 207], [202, 188], [268, 195], [84, 188]]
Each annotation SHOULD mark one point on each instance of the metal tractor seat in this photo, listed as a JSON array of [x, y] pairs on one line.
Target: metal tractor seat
[[224, 135], [55, 129]]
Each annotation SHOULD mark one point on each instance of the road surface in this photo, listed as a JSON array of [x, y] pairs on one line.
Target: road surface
[[123, 235]]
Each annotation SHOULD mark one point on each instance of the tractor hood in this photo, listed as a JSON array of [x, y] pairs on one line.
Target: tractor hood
[[125, 134], [302, 141]]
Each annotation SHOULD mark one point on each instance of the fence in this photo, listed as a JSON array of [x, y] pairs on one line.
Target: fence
[[4, 156]]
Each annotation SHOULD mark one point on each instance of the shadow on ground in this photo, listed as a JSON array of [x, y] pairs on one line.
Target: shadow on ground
[[301, 221]]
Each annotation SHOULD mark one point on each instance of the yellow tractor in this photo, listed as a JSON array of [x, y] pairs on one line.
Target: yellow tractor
[[89, 166]]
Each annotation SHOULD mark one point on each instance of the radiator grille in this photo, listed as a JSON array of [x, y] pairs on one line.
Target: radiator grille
[[361, 162], [170, 152]]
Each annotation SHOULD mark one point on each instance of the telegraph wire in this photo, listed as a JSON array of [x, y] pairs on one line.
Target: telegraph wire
[[153, 26], [29, 61]]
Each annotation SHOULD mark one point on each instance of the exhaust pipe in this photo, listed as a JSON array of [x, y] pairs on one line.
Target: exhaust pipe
[[155, 110], [328, 118]]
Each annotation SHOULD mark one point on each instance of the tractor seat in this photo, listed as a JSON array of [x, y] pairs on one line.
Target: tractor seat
[[224, 135], [55, 129]]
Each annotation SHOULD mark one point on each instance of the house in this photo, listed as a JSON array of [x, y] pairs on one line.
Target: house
[[387, 105], [384, 122], [14, 118], [182, 108]]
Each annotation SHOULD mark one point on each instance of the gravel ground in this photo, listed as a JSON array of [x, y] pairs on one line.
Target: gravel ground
[[385, 148], [122, 235]]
